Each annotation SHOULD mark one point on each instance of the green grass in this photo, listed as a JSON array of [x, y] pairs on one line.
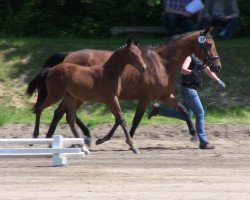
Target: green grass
[[22, 58]]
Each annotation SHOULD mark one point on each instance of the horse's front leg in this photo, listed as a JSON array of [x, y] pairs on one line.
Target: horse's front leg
[[140, 110], [172, 102]]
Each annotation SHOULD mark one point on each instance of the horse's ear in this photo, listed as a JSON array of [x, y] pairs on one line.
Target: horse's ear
[[129, 41], [207, 30], [134, 38]]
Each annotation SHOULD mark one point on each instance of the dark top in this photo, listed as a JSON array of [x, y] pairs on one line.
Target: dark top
[[193, 80]]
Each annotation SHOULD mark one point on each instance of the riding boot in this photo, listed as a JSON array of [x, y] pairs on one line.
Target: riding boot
[[155, 111]]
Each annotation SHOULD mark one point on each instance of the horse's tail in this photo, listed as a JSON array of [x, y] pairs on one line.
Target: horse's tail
[[38, 83], [55, 59]]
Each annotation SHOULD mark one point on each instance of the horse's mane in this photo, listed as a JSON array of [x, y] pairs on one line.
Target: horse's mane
[[179, 36], [174, 37]]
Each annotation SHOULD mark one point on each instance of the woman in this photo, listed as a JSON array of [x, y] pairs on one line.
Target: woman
[[191, 81]]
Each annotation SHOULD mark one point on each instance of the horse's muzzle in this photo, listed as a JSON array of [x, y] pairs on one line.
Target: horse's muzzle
[[142, 69], [215, 68]]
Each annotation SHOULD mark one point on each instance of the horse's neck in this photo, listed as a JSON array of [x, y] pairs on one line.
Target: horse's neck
[[115, 65], [174, 53]]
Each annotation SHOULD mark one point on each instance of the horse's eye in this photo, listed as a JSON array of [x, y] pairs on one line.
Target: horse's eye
[[209, 45], [132, 54]]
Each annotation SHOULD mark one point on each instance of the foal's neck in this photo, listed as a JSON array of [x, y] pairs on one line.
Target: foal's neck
[[115, 65]]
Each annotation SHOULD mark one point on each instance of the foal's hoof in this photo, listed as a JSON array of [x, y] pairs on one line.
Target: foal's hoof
[[99, 141], [85, 150]]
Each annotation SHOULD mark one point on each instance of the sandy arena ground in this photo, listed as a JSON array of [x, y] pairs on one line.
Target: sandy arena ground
[[170, 167]]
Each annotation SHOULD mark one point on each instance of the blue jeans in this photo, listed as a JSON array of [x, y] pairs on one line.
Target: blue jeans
[[194, 106]]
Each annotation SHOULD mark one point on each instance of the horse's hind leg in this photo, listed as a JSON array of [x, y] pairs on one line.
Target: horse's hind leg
[[141, 108], [189, 122], [58, 114], [70, 103], [171, 101], [85, 130]]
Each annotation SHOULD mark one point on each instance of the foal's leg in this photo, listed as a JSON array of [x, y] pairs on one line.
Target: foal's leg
[[172, 101], [37, 124], [84, 129], [109, 135], [115, 108], [37, 112], [141, 108], [58, 114], [70, 107], [49, 100], [70, 103]]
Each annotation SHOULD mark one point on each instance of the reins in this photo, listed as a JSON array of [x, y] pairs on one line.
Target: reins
[[209, 61]]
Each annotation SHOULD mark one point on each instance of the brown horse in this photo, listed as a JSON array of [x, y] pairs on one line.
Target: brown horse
[[157, 83], [101, 83]]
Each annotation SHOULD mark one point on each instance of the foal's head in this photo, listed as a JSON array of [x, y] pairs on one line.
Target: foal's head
[[207, 50], [134, 55]]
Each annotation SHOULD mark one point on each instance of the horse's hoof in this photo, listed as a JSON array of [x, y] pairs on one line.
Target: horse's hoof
[[87, 141], [195, 139], [136, 151], [99, 141], [193, 132]]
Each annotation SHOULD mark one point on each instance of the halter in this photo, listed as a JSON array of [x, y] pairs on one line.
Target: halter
[[209, 60]]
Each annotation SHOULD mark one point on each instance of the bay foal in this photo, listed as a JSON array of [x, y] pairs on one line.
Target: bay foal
[[101, 83]]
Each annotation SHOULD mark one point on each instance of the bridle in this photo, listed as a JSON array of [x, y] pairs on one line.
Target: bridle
[[209, 61]]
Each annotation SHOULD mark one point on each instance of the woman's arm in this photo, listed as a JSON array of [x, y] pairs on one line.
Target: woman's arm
[[214, 77], [211, 74], [185, 65]]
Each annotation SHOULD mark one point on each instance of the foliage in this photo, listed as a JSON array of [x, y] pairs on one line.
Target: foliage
[[85, 18], [79, 17]]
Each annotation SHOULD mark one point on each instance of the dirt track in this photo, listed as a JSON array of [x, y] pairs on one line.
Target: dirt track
[[169, 167]]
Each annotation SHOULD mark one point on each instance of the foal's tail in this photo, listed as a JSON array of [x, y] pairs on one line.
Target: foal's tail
[[38, 83]]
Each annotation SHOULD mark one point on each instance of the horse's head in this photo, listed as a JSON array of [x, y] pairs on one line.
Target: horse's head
[[135, 55], [207, 50]]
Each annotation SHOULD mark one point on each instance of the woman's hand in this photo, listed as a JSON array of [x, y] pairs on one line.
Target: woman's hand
[[221, 84]]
